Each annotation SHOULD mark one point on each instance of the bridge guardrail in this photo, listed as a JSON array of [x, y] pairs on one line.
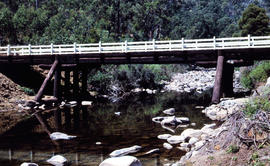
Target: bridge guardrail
[[146, 46]]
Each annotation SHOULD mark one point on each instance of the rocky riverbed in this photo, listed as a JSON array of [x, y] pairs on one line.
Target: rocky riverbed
[[199, 81]]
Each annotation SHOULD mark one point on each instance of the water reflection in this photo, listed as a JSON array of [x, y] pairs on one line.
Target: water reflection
[[30, 141]]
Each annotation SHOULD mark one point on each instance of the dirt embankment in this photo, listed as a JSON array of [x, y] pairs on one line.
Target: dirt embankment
[[11, 95]]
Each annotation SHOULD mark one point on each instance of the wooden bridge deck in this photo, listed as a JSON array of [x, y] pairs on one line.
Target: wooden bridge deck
[[148, 52]]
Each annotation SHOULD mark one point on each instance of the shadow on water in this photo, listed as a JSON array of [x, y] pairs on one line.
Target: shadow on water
[[29, 140]]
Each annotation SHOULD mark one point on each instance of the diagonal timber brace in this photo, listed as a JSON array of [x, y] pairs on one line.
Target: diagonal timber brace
[[46, 81]]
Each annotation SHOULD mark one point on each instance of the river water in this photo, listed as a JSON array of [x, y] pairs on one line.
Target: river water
[[100, 131]]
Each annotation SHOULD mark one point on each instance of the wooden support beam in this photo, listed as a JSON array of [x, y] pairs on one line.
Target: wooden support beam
[[67, 83], [57, 78], [75, 83], [227, 80], [84, 82], [218, 79], [46, 81]]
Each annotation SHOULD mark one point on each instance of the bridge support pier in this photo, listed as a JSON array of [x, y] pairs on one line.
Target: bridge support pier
[[67, 83], [75, 82], [223, 80], [218, 79], [57, 81]]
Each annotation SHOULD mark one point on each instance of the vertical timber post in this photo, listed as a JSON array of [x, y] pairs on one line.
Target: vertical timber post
[[57, 77], [75, 82], [227, 81], [67, 83], [84, 82], [218, 79]]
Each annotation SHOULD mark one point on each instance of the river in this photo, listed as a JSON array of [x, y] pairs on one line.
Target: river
[[100, 131]]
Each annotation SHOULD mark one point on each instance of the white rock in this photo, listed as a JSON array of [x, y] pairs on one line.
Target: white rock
[[185, 145], [153, 151], [125, 151], [86, 103], [193, 140], [117, 113], [199, 145], [98, 143], [167, 146], [59, 136], [28, 164], [42, 107], [57, 160], [191, 133], [185, 149], [169, 111], [121, 161], [164, 136], [72, 102], [182, 119], [175, 139]]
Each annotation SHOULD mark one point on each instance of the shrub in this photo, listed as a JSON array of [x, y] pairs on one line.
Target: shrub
[[233, 149], [255, 104], [28, 91], [259, 74]]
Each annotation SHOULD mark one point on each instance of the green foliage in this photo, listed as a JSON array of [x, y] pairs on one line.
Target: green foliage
[[256, 104], [81, 21], [259, 74], [254, 21], [233, 149], [128, 77], [28, 91]]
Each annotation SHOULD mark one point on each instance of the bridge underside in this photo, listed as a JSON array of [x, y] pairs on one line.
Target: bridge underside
[[223, 60], [166, 57]]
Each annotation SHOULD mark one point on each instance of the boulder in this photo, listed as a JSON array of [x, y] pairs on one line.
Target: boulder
[[121, 161], [169, 111], [167, 146], [199, 145], [59, 136], [125, 151], [191, 133], [164, 136], [86, 103], [193, 140], [57, 160], [185, 149], [28, 164], [176, 139]]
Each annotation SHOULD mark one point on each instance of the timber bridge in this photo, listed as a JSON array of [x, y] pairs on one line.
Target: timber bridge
[[224, 53]]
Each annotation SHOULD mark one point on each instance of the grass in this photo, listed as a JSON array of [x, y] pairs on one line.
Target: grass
[[256, 104], [28, 91], [233, 149]]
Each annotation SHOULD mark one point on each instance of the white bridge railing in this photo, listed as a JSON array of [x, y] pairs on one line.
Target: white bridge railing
[[146, 46]]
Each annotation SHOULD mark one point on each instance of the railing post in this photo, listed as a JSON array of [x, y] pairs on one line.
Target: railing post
[[249, 40], [145, 45], [223, 43], [183, 46], [154, 44], [51, 48], [196, 44], [214, 42], [8, 50], [29, 47], [126, 46], [170, 45], [75, 45], [99, 47]]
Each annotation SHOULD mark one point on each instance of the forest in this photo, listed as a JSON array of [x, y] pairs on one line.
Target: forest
[[24, 22], [84, 21]]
